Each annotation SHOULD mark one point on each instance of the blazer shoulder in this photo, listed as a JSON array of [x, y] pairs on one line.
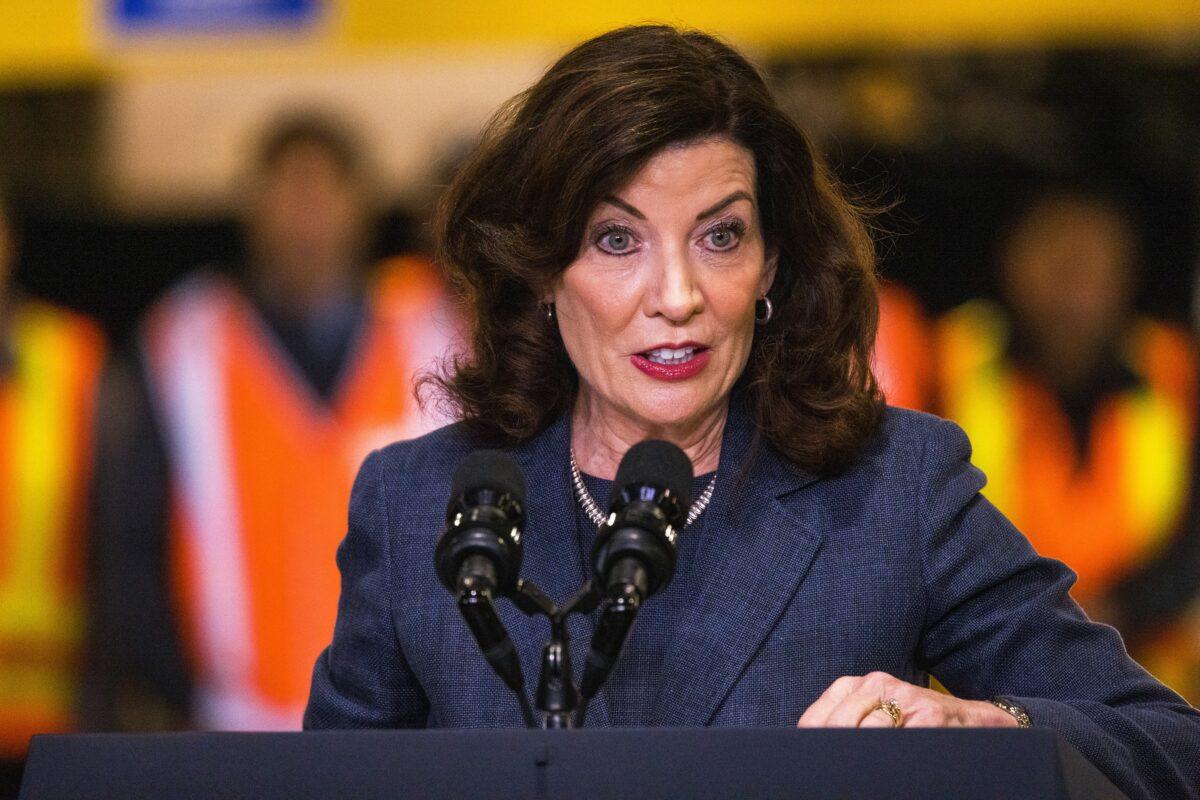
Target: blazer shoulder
[[427, 458], [908, 439]]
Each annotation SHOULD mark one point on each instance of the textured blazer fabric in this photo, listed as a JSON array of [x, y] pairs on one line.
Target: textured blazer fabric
[[898, 565]]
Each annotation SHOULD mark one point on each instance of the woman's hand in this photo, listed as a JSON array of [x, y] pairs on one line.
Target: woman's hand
[[858, 702]]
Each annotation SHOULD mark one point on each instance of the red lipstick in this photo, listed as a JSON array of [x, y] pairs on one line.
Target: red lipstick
[[673, 372]]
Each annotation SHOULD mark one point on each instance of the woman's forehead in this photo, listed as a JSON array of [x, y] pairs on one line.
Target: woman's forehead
[[711, 168]]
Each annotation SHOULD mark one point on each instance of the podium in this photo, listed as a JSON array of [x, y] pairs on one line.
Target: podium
[[991, 764]]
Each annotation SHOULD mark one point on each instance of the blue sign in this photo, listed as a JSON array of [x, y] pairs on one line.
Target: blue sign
[[188, 16]]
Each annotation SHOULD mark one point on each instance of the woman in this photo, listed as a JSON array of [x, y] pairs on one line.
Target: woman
[[649, 248]]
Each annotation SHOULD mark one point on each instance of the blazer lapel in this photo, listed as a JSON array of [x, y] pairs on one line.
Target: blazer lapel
[[550, 551], [752, 558]]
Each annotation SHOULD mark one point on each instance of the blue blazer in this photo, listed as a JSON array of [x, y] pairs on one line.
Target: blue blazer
[[898, 565]]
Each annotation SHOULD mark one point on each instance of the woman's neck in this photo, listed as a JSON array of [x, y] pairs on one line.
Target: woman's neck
[[600, 435]]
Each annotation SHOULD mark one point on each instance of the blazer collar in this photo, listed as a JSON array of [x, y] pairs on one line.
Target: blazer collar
[[551, 549]]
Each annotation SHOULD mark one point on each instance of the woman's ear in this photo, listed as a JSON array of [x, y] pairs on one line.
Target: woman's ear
[[768, 278], [549, 290]]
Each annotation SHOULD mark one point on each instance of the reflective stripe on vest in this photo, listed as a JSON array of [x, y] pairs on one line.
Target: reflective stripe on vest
[[262, 473], [46, 406], [1103, 517]]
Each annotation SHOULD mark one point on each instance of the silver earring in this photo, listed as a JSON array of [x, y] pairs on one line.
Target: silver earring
[[548, 310], [767, 313]]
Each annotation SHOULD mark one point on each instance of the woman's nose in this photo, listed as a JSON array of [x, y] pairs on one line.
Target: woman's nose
[[677, 294]]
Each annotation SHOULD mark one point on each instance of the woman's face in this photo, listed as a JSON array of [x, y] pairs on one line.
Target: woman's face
[[657, 310]]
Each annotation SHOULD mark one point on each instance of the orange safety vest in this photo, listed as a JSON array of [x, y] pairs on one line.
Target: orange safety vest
[[1103, 517], [903, 360], [47, 400], [262, 471]]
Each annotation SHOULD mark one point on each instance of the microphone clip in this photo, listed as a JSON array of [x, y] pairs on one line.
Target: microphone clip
[[558, 696]]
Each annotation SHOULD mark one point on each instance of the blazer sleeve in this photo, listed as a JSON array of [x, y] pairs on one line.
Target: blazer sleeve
[[1000, 622], [362, 680]]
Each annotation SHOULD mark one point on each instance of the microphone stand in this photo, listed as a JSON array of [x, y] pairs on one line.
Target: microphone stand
[[561, 702], [620, 610], [478, 610], [557, 696]]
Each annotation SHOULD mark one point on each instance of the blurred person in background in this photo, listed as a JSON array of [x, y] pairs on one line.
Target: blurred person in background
[[903, 360], [1080, 412], [233, 441], [49, 369]]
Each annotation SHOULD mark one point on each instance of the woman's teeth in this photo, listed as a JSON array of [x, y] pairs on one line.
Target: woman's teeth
[[667, 355]]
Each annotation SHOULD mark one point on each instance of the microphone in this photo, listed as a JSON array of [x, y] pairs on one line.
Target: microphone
[[636, 545], [479, 555], [480, 547], [636, 548]]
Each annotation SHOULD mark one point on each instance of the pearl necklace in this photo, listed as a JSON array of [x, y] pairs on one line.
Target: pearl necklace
[[592, 509]]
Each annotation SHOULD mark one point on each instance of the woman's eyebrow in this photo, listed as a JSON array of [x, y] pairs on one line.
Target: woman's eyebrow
[[740, 194], [621, 204]]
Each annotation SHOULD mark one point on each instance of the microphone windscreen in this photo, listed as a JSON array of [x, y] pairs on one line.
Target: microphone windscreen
[[489, 469], [657, 462]]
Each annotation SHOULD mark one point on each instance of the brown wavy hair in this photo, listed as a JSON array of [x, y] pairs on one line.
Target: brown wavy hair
[[514, 216]]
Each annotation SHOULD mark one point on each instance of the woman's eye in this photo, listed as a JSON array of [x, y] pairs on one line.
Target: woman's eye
[[725, 238], [616, 242]]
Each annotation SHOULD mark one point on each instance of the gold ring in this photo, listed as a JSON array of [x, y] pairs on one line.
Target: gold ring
[[892, 709]]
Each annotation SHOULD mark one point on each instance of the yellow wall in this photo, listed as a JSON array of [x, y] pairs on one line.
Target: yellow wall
[[40, 38], [48, 39], [778, 23]]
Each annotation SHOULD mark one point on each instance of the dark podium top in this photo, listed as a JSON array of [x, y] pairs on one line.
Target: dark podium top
[[601, 763], [662, 763]]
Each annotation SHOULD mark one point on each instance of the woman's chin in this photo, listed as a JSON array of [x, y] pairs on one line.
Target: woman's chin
[[673, 408]]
